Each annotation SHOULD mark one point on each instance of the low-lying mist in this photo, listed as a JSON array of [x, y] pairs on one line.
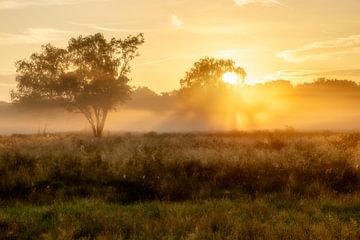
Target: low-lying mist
[[321, 105]]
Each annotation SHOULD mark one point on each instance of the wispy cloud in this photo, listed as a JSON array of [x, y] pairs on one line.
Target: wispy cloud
[[111, 29], [156, 61], [33, 36], [247, 2], [308, 75], [175, 21], [322, 50], [16, 4]]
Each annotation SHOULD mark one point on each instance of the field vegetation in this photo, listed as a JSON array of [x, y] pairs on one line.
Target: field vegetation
[[239, 185]]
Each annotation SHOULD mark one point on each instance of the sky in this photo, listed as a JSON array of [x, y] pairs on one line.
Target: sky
[[297, 40]]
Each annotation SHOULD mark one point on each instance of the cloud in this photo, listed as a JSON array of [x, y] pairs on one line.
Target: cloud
[[309, 75], [33, 36], [16, 4], [198, 29], [247, 2], [344, 73], [175, 21], [108, 29], [322, 50], [159, 61]]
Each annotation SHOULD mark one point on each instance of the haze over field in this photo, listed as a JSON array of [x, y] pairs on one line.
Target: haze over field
[[328, 105]]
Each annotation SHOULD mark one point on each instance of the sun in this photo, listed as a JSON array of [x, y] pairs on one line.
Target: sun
[[231, 78]]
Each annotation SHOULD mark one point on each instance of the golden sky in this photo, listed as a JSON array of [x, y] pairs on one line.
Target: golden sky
[[296, 40]]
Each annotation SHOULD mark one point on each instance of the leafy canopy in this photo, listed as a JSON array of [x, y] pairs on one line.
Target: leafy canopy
[[208, 73], [90, 76], [204, 93]]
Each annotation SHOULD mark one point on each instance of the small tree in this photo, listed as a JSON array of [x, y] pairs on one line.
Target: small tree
[[90, 76]]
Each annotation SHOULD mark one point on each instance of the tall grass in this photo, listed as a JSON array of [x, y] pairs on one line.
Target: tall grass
[[176, 167], [261, 185]]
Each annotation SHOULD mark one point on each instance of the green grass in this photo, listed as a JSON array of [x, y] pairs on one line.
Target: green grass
[[268, 217], [261, 185]]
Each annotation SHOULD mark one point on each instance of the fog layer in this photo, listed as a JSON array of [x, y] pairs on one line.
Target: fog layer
[[321, 105]]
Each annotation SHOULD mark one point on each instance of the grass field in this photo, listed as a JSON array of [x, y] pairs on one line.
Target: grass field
[[260, 185]]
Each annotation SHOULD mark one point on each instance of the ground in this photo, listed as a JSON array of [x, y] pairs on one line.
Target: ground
[[258, 185]]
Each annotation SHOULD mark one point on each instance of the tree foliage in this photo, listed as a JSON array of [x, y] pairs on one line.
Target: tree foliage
[[208, 73], [90, 76], [204, 93]]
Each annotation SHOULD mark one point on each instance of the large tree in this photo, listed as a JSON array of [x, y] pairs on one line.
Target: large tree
[[90, 76]]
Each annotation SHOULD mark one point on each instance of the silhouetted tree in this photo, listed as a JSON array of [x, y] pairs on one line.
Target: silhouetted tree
[[208, 73], [90, 76], [204, 93], [331, 84]]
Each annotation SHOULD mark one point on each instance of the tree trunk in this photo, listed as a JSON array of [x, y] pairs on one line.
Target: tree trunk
[[94, 130], [99, 132], [100, 123], [96, 119]]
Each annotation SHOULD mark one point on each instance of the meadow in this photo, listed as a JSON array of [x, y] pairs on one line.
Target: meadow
[[234, 185]]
